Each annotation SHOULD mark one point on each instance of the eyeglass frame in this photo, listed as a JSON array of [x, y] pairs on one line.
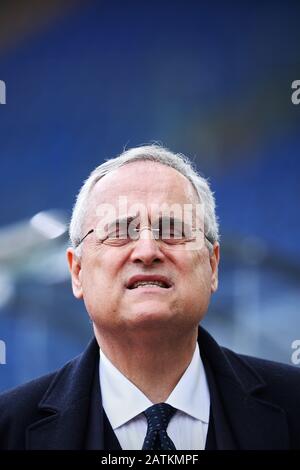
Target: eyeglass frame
[[137, 230]]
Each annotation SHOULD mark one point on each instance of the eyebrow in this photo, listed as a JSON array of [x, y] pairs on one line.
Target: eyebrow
[[165, 218], [129, 219], [122, 220]]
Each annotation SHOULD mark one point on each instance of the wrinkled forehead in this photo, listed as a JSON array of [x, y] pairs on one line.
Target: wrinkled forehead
[[145, 189]]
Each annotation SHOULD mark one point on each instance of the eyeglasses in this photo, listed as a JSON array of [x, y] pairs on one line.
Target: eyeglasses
[[174, 234]]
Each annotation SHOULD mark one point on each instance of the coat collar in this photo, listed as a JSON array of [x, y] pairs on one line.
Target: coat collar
[[255, 423]]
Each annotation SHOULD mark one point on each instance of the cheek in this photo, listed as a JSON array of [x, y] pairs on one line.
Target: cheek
[[100, 277], [100, 293], [198, 272]]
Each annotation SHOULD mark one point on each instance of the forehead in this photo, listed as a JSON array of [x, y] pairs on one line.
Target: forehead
[[145, 188], [144, 181]]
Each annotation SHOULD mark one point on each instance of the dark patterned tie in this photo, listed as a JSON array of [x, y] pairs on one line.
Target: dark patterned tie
[[158, 417]]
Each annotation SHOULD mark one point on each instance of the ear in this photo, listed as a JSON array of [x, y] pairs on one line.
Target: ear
[[75, 271], [214, 263]]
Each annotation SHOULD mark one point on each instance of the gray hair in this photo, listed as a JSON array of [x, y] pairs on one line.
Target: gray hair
[[154, 153]]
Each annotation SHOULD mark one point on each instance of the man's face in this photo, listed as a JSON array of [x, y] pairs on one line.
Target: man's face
[[104, 274]]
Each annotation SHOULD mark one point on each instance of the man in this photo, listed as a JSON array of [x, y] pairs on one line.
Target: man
[[144, 259]]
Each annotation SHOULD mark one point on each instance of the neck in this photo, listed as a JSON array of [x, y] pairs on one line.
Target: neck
[[153, 361]]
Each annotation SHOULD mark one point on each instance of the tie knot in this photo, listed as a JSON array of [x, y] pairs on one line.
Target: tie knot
[[158, 416]]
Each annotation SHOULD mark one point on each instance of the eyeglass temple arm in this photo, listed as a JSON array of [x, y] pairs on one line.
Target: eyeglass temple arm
[[80, 241]]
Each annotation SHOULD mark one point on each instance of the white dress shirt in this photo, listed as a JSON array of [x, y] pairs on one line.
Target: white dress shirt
[[124, 404]]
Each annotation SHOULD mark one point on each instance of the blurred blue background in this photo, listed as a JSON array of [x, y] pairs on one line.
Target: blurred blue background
[[208, 79]]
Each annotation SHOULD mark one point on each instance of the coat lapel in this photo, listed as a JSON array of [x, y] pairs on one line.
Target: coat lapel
[[255, 422], [65, 406]]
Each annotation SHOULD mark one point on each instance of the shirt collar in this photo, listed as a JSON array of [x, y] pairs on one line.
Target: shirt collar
[[191, 394]]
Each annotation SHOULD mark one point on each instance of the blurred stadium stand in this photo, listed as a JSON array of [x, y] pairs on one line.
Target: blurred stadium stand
[[211, 80]]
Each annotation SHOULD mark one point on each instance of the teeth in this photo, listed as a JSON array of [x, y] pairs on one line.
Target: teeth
[[147, 283]]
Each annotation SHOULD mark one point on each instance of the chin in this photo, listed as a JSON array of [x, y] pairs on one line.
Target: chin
[[148, 316]]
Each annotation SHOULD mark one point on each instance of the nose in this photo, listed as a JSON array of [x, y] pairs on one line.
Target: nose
[[146, 249]]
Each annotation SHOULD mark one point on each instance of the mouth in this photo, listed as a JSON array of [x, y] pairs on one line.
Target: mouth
[[152, 282], [137, 285]]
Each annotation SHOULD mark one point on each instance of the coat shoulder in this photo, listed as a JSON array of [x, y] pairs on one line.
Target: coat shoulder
[[19, 407], [29, 392], [282, 381], [40, 399], [266, 368]]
